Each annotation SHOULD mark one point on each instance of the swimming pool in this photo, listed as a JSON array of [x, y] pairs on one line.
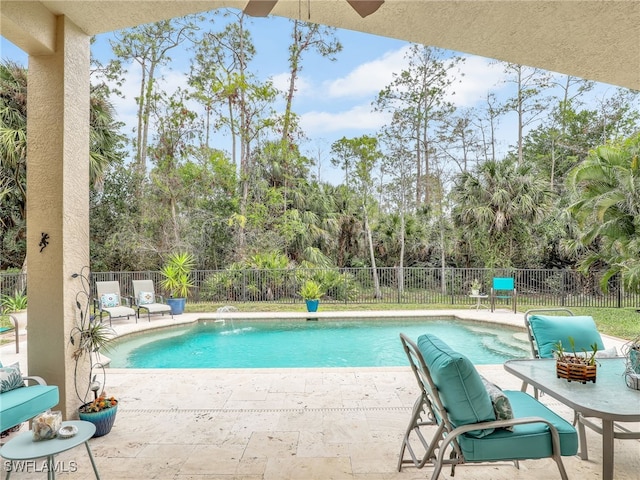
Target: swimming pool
[[323, 343]]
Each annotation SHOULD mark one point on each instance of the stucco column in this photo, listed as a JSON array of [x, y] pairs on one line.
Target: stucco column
[[57, 203]]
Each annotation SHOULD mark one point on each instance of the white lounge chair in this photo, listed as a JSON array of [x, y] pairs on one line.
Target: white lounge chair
[[111, 303], [147, 300]]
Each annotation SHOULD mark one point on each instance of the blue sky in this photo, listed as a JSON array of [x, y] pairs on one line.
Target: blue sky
[[333, 98]]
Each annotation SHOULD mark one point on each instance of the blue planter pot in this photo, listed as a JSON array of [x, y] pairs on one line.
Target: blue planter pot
[[177, 305], [103, 420], [312, 305]]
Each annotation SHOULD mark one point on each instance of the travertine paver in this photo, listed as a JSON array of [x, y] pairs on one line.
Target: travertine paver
[[288, 424]]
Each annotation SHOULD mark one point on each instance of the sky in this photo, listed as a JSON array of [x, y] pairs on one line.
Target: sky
[[333, 99]]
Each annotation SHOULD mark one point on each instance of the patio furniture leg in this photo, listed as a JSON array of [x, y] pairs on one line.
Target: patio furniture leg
[[607, 449], [582, 438]]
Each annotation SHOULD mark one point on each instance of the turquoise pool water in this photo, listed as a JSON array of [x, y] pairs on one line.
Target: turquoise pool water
[[323, 343]]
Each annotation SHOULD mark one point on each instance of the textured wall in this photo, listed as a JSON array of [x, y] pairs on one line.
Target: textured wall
[[58, 202]]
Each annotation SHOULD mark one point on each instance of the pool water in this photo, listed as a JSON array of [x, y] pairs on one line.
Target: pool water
[[324, 343]]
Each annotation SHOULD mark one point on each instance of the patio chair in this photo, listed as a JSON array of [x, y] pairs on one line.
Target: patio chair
[[111, 303], [546, 330], [456, 404], [503, 288], [145, 298]]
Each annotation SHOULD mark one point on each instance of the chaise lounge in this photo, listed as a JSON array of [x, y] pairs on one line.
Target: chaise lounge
[[474, 421]]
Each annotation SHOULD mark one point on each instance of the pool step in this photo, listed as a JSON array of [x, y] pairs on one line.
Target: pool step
[[508, 343]]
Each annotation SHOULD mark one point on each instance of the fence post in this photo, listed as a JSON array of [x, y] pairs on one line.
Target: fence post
[[619, 282]]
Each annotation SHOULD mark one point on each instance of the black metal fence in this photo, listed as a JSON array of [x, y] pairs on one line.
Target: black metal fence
[[403, 286]]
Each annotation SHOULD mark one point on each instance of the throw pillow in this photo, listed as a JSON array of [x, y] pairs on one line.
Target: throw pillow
[[110, 300], [459, 385], [145, 298], [10, 378], [500, 402]]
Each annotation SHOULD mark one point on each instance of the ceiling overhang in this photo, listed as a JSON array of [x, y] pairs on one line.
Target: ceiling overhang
[[596, 40]]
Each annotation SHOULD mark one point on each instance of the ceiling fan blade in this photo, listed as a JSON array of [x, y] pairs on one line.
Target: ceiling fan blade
[[259, 8], [365, 7]]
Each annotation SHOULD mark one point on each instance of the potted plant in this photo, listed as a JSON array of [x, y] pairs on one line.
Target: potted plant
[[574, 366], [88, 338], [311, 293], [177, 280], [16, 306], [475, 286]]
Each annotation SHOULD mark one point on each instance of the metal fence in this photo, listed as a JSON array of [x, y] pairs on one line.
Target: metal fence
[[448, 286]]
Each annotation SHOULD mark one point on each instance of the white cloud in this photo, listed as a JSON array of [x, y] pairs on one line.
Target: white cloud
[[360, 117], [281, 82], [477, 76], [370, 77]]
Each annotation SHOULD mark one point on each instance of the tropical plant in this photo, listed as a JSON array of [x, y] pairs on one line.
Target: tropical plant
[[88, 338], [311, 290], [607, 188], [14, 303], [497, 208], [586, 358], [177, 274]]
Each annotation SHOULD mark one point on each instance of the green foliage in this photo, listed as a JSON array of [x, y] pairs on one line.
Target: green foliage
[[177, 274], [607, 188], [14, 303], [311, 290]]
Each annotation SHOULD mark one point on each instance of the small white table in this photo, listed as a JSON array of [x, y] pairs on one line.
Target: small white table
[[479, 298], [23, 447]]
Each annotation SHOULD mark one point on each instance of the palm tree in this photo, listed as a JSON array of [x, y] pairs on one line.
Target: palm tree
[[496, 209], [607, 185], [104, 144]]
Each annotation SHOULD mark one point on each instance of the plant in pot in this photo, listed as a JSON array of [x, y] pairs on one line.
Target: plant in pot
[[88, 338], [177, 280], [16, 306], [573, 366], [311, 293], [476, 285]]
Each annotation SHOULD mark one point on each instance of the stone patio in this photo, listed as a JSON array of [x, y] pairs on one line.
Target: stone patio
[[281, 424]]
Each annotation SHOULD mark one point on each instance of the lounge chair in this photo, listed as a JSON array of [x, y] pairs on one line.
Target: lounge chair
[[547, 327], [503, 288], [456, 401], [111, 303], [147, 300]]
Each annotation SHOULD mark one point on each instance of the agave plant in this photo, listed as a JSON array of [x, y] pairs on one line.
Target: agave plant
[[177, 274]]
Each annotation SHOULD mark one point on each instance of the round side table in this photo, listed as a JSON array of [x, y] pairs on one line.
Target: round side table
[[23, 447]]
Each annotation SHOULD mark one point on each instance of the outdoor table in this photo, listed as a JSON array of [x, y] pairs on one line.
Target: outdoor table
[[608, 399], [22, 447], [479, 298]]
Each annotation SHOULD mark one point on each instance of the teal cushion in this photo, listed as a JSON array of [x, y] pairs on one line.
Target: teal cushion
[[529, 441], [548, 330], [460, 387], [22, 404]]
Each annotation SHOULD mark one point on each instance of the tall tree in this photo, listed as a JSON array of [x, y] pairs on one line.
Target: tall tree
[[363, 153], [149, 46], [305, 37], [528, 103], [174, 145], [421, 91]]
